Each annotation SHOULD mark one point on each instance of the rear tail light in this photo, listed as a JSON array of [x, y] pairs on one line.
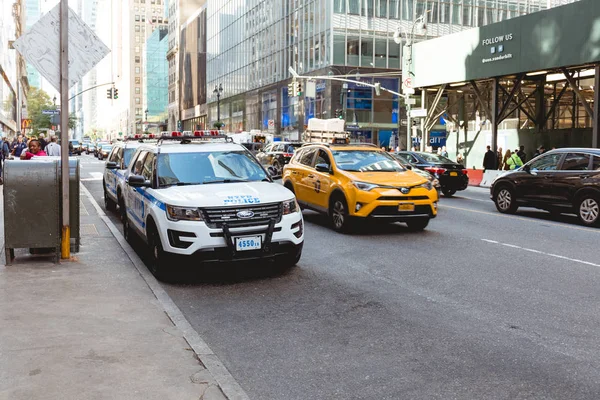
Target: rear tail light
[[435, 171], [465, 172], [287, 154]]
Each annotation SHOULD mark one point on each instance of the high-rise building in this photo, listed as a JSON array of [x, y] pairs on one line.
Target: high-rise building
[[251, 45], [32, 15], [156, 80], [179, 12]]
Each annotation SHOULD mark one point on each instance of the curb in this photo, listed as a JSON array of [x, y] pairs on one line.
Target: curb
[[227, 383]]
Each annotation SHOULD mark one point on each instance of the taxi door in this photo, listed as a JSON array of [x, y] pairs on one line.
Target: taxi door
[[319, 180], [301, 171], [136, 207]]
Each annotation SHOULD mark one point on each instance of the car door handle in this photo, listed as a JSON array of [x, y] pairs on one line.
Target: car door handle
[[311, 176]]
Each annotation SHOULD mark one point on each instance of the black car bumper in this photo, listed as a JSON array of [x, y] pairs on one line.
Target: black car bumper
[[391, 213], [460, 182], [228, 255]]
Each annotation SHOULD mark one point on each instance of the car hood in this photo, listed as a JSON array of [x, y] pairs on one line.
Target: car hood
[[224, 194], [406, 178]]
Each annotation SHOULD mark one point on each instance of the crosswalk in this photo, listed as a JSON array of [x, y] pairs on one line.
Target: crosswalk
[[95, 176]]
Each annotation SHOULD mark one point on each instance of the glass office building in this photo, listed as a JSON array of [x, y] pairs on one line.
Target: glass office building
[[156, 78], [252, 43]]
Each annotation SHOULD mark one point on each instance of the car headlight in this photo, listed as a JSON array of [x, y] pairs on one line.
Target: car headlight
[[365, 186], [427, 185], [175, 213], [290, 207]]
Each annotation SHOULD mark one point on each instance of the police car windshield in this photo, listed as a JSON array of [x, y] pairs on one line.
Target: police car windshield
[[366, 161], [208, 167]]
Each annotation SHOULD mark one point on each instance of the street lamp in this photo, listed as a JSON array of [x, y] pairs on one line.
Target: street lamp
[[407, 68], [218, 90]]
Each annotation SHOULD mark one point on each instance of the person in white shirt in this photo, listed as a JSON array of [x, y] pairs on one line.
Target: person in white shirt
[[52, 148]]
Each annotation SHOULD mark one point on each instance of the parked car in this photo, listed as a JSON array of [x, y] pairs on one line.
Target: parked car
[[253, 147], [278, 154], [104, 151], [452, 176], [77, 148], [559, 181]]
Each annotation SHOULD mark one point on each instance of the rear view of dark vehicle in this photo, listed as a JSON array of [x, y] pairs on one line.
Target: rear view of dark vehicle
[[278, 154], [451, 175]]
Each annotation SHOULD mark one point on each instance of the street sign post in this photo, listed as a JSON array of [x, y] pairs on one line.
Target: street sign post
[[62, 56], [50, 112]]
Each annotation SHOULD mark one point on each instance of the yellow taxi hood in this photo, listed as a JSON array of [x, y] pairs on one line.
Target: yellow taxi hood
[[406, 178]]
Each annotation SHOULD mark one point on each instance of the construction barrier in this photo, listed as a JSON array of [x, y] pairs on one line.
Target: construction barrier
[[489, 176], [475, 177]]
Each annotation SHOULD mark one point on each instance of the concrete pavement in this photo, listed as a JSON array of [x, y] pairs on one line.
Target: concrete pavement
[[91, 329]]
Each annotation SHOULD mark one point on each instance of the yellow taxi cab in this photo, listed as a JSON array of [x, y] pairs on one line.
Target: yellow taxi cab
[[347, 181]]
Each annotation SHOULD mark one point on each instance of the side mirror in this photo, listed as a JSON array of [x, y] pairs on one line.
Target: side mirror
[[527, 168], [111, 165], [273, 173], [408, 166], [138, 181], [323, 168]]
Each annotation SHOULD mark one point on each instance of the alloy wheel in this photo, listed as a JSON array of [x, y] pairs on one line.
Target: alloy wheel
[[589, 211], [338, 214], [504, 199]]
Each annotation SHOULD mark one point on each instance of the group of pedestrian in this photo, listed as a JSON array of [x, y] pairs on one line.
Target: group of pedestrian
[[508, 161], [25, 148]]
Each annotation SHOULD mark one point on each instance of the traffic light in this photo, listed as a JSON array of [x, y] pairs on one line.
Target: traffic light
[[339, 113], [116, 93], [291, 89], [299, 89], [109, 94]]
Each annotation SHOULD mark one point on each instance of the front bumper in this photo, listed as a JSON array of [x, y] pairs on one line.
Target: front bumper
[[385, 204], [196, 238]]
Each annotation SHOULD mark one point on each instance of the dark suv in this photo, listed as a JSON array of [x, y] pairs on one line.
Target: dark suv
[[278, 154], [559, 181]]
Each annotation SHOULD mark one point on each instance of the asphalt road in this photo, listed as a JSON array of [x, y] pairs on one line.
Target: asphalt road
[[478, 306]]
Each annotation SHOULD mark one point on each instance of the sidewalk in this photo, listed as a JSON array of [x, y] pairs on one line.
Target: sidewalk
[[91, 328]]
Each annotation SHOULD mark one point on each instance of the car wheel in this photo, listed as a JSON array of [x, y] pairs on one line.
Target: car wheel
[[588, 210], [159, 259], [127, 231], [505, 200], [109, 203], [277, 166], [121, 207], [448, 192], [290, 260], [338, 213], [417, 224]]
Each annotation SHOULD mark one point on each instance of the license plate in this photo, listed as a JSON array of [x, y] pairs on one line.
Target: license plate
[[248, 243], [453, 173], [406, 207]]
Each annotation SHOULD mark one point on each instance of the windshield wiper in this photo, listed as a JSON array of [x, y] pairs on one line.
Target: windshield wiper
[[227, 181], [180, 184]]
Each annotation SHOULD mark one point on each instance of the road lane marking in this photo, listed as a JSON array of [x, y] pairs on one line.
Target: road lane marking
[[541, 252], [471, 198], [497, 214]]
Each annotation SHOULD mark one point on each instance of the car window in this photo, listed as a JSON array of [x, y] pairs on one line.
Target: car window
[[204, 167], [323, 158], [403, 157], [127, 154], [147, 170], [307, 156], [548, 162], [113, 155], [139, 163], [576, 162], [363, 161], [596, 163], [435, 159]]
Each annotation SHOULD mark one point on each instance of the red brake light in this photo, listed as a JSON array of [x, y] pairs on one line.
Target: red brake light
[[288, 154], [465, 171], [435, 170]]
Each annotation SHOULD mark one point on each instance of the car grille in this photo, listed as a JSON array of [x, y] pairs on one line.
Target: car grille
[[216, 217]]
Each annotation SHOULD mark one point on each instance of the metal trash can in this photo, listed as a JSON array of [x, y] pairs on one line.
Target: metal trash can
[[31, 206]]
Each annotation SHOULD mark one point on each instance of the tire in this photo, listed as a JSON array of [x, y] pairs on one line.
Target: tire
[[277, 166], [417, 224], [159, 259], [289, 187], [448, 192], [338, 213], [290, 260], [588, 209], [505, 200], [122, 212], [109, 203], [128, 231]]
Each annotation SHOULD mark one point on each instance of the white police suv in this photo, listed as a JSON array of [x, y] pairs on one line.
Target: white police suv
[[116, 168], [205, 197]]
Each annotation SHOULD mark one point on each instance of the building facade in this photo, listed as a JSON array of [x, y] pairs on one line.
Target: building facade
[[179, 12], [251, 45], [33, 11], [156, 81]]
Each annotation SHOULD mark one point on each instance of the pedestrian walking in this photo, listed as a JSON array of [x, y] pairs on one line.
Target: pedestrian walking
[[513, 162], [521, 153], [540, 151], [34, 150], [503, 165], [444, 152], [489, 159], [18, 146], [460, 159], [499, 156], [4, 154], [53, 149], [43, 142]]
